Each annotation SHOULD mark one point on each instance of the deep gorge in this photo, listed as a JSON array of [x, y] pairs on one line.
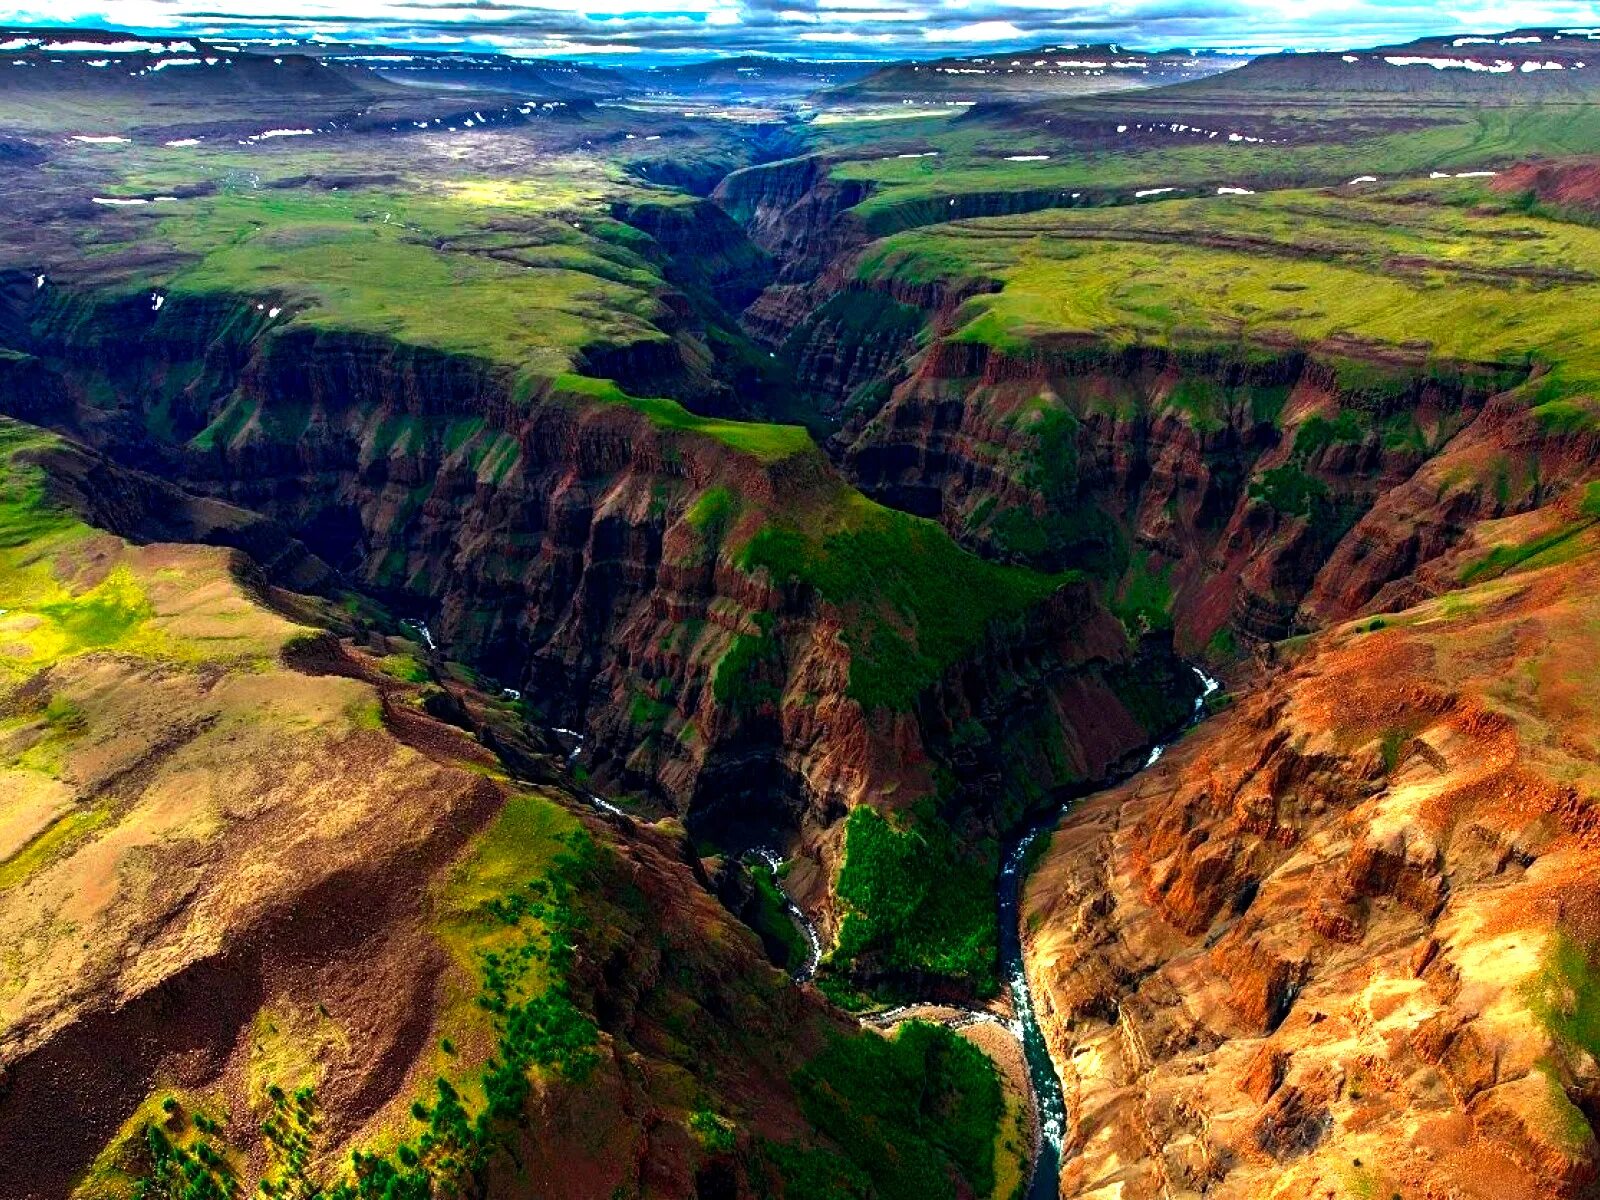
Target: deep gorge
[[586, 557]]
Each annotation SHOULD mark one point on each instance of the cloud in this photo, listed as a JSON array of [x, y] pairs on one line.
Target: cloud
[[978, 31], [877, 28]]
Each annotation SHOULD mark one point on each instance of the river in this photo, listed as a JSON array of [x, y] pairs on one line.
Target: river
[[1050, 1106], [1050, 1109]]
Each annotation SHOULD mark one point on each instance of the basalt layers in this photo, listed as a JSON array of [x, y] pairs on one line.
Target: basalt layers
[[1341, 940], [594, 554], [1265, 490], [240, 856]]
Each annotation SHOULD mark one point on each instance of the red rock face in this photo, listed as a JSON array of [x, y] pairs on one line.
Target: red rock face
[[960, 441], [550, 544], [1569, 183], [1326, 943]]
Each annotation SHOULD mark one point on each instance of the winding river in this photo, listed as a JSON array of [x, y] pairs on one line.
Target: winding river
[[1050, 1107]]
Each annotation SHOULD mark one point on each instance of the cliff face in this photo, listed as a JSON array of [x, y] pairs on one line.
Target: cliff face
[[1265, 491], [214, 808], [799, 215], [593, 559], [1341, 939]]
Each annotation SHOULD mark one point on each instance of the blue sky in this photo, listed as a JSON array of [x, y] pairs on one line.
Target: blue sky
[[635, 31]]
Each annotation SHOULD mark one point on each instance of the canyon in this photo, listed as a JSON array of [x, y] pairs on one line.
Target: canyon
[[548, 572]]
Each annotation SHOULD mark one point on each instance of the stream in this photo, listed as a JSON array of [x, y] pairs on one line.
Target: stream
[[1050, 1107]]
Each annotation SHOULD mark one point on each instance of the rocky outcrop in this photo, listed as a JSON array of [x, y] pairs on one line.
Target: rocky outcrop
[[590, 557], [1336, 940], [1235, 475]]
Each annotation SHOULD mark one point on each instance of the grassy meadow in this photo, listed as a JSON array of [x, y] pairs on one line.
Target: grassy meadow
[[1440, 271]]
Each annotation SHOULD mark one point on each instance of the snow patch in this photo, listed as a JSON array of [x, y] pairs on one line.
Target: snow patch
[[1499, 67]]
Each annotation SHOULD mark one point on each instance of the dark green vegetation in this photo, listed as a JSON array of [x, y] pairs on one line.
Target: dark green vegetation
[[908, 1111], [917, 901], [772, 921], [916, 601], [539, 1028]]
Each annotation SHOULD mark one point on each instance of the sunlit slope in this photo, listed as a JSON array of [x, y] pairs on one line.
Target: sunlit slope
[[1441, 272]]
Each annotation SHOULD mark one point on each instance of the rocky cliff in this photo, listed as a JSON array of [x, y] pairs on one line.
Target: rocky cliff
[[264, 909], [1341, 939], [1235, 492], [742, 640]]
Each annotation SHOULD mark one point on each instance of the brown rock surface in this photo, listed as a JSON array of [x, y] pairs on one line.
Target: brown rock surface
[[1334, 943]]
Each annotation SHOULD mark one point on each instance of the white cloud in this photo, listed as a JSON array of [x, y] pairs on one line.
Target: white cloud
[[978, 31], [543, 28]]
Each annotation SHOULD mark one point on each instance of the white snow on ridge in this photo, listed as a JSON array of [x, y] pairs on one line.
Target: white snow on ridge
[[1027, 157], [189, 141], [98, 139], [1160, 191], [124, 47], [1363, 179], [1533, 65], [1234, 191], [1499, 67]]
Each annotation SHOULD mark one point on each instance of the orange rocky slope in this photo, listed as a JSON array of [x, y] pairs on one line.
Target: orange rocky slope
[[1341, 940]]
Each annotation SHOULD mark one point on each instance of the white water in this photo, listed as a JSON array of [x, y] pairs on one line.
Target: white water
[[1049, 1100], [774, 860], [421, 627]]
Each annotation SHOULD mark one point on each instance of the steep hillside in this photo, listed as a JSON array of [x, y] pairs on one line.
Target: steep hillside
[[1249, 415], [270, 918], [742, 639], [1341, 940]]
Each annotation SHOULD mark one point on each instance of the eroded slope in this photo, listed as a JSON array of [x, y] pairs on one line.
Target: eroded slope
[[1341, 939]]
